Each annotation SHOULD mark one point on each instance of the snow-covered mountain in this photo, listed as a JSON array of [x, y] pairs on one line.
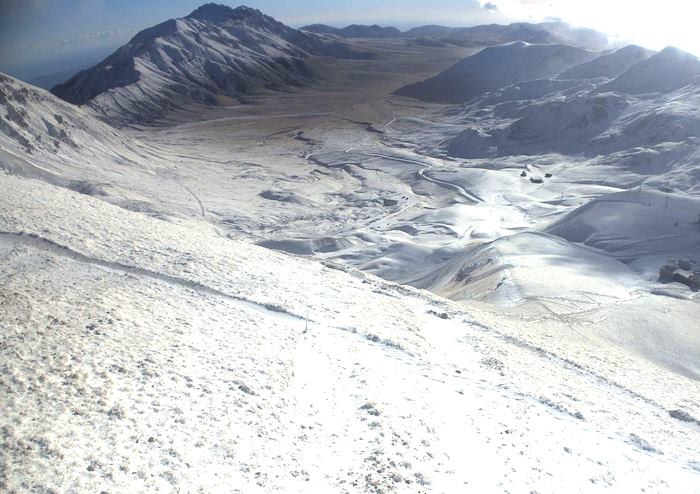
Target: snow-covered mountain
[[215, 51], [623, 127], [609, 65], [342, 290], [667, 70], [496, 67], [42, 136], [643, 121]]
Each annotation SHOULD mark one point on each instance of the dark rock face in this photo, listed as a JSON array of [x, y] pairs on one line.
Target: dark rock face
[[685, 272]]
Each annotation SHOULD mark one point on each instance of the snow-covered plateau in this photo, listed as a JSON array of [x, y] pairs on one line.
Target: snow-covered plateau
[[352, 260]]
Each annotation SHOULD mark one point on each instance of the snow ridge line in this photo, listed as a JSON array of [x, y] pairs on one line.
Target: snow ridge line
[[34, 240], [268, 308]]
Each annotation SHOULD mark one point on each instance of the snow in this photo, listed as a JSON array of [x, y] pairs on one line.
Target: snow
[[609, 65], [531, 266], [667, 70], [638, 227], [167, 379], [148, 344], [495, 67]]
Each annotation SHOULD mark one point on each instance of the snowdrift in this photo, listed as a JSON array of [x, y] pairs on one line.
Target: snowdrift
[[642, 228], [531, 266]]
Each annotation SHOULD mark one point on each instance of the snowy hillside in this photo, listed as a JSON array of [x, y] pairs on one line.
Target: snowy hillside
[[511, 269], [667, 70], [43, 136], [636, 227], [215, 51], [496, 67], [138, 357], [610, 65], [330, 287]]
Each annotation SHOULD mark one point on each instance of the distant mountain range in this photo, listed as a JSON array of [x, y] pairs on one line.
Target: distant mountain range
[[496, 67], [355, 31], [491, 34], [631, 70], [631, 109], [219, 52]]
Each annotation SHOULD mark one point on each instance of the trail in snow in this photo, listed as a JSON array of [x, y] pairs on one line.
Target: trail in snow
[[202, 209], [462, 191], [422, 174], [11, 239], [426, 423]]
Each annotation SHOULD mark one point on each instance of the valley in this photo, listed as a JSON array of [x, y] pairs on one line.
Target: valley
[[368, 280]]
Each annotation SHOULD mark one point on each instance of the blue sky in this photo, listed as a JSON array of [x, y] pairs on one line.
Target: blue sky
[[41, 36]]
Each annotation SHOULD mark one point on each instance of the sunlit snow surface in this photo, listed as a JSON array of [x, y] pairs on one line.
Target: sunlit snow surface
[[166, 362], [149, 345]]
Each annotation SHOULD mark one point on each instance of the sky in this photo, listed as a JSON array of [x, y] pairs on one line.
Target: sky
[[39, 37]]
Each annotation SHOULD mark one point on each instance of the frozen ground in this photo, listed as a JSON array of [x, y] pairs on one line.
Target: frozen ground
[[172, 363], [149, 345]]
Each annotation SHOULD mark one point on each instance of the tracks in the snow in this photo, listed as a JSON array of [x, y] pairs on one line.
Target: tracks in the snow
[[40, 243]]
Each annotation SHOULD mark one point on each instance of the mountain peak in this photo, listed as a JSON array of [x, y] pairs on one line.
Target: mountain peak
[[214, 12], [215, 51], [667, 70], [671, 52]]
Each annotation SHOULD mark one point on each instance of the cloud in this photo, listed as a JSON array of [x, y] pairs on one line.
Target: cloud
[[85, 39], [649, 23], [97, 36], [490, 6]]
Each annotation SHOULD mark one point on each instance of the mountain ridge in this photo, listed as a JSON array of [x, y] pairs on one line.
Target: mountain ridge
[[214, 51], [496, 67]]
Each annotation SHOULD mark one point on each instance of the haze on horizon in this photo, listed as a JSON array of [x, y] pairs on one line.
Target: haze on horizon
[[39, 37]]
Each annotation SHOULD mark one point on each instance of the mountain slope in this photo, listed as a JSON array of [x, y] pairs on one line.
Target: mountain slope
[[665, 71], [610, 65], [141, 357], [642, 228], [655, 138], [42, 136], [498, 34], [496, 67], [215, 51]]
